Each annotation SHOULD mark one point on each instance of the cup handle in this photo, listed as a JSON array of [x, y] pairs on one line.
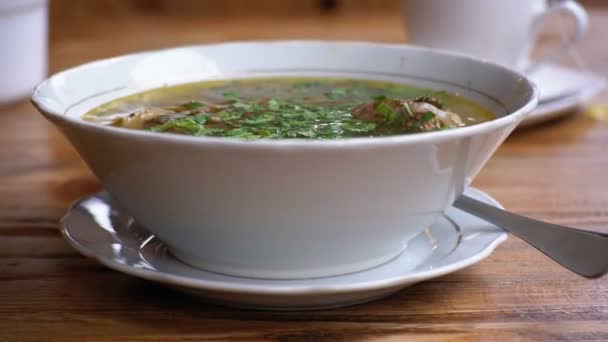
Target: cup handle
[[581, 19]]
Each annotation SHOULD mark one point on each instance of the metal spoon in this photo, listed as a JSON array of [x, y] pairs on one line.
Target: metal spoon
[[583, 252]]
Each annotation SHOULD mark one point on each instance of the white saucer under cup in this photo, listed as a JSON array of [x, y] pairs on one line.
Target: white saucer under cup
[[99, 229], [563, 90]]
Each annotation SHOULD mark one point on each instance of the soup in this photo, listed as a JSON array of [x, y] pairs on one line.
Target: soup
[[284, 108]]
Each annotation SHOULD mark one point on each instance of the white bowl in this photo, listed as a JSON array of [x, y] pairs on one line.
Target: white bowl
[[285, 208]]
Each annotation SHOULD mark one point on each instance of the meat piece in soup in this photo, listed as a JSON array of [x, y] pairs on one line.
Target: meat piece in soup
[[284, 108], [418, 114]]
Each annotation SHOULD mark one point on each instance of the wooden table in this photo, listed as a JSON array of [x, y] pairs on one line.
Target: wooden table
[[555, 172]]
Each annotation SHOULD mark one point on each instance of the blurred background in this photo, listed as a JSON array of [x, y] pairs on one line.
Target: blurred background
[[67, 8], [133, 25]]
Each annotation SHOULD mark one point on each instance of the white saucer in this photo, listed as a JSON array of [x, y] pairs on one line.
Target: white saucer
[[562, 91], [556, 81], [99, 229]]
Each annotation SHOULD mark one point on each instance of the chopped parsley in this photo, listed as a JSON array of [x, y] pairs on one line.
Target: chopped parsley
[[386, 110], [408, 110], [192, 105], [273, 119], [428, 116], [336, 93]]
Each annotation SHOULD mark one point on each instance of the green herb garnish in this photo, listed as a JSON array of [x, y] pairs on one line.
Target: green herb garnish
[[386, 110], [273, 104], [428, 116], [336, 93], [231, 94], [192, 105], [408, 110], [241, 105], [185, 125]]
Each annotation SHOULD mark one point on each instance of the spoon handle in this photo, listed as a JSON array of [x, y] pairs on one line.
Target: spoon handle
[[583, 252]]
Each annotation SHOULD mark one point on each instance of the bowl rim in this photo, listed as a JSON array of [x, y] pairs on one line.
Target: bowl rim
[[38, 100]]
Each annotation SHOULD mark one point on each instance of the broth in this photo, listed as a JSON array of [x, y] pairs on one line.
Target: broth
[[284, 108]]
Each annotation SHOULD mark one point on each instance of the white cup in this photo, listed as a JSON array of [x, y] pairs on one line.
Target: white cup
[[23, 47], [502, 31]]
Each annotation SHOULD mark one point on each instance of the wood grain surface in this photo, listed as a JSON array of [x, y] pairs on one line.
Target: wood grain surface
[[48, 292]]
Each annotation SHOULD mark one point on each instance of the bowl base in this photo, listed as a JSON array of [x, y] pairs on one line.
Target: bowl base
[[285, 273]]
